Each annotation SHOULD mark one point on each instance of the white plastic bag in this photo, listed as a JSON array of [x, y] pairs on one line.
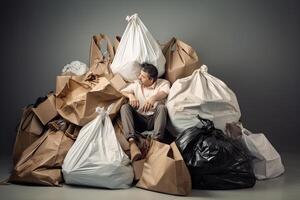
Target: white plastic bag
[[267, 161], [76, 67], [201, 94], [96, 158], [137, 45]]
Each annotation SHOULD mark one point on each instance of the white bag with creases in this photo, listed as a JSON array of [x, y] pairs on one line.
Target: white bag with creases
[[76, 67], [267, 161], [137, 46], [96, 158], [201, 94]]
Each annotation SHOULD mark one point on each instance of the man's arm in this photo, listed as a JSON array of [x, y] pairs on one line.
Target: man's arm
[[127, 94], [133, 101], [150, 102], [159, 96]]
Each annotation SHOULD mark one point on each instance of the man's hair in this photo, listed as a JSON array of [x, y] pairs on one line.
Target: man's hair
[[151, 70]]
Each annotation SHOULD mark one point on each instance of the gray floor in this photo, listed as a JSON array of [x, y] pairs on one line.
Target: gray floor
[[285, 187]]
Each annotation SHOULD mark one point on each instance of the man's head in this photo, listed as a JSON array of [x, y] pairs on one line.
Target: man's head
[[148, 74]]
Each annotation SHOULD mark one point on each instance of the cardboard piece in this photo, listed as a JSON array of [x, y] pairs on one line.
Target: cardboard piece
[[33, 126], [46, 111]]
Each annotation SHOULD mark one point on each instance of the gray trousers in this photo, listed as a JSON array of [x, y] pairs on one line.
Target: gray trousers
[[135, 123]]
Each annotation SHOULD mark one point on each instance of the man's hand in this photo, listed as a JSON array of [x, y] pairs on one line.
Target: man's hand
[[133, 101], [148, 104]]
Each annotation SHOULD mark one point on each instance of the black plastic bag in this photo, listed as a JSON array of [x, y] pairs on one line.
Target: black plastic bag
[[214, 161]]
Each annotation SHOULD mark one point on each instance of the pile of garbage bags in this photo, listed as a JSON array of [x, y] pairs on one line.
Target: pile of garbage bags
[[75, 136]]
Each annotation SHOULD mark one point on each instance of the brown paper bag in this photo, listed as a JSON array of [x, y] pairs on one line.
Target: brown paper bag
[[99, 60], [165, 170], [46, 111], [41, 162], [29, 130], [118, 82], [181, 61], [138, 167], [63, 80], [76, 100], [116, 42], [120, 135]]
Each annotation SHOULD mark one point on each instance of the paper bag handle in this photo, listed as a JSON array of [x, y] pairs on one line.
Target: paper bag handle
[[102, 37]]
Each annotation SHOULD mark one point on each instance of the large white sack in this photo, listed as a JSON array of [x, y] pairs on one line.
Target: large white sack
[[201, 94], [267, 161], [96, 158], [137, 45]]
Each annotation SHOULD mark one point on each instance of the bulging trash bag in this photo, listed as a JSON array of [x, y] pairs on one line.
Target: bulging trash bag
[[201, 94], [96, 158], [137, 45], [214, 161]]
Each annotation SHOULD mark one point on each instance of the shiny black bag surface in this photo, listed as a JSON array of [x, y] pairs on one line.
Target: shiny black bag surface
[[214, 161]]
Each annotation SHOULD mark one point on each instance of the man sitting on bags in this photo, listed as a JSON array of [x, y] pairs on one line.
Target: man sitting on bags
[[145, 114]]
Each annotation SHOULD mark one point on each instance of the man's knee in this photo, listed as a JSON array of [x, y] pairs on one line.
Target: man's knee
[[125, 108]]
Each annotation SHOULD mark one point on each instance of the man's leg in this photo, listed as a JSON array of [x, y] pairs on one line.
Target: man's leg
[[127, 121], [130, 118], [132, 121], [159, 121]]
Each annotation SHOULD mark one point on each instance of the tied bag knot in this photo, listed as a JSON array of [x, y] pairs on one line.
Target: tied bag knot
[[132, 17], [102, 112], [203, 69]]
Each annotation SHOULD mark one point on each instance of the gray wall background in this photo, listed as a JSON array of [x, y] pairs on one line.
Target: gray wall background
[[253, 46]]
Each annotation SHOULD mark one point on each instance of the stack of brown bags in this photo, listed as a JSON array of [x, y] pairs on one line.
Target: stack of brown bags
[[47, 130]]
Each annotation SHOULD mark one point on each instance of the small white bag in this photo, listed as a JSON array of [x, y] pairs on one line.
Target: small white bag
[[137, 45], [201, 94], [76, 67], [96, 158], [267, 161]]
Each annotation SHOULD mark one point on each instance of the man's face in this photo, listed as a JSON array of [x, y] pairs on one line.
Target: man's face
[[145, 79]]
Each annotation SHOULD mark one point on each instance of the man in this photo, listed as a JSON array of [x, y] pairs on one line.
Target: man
[[145, 113]]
